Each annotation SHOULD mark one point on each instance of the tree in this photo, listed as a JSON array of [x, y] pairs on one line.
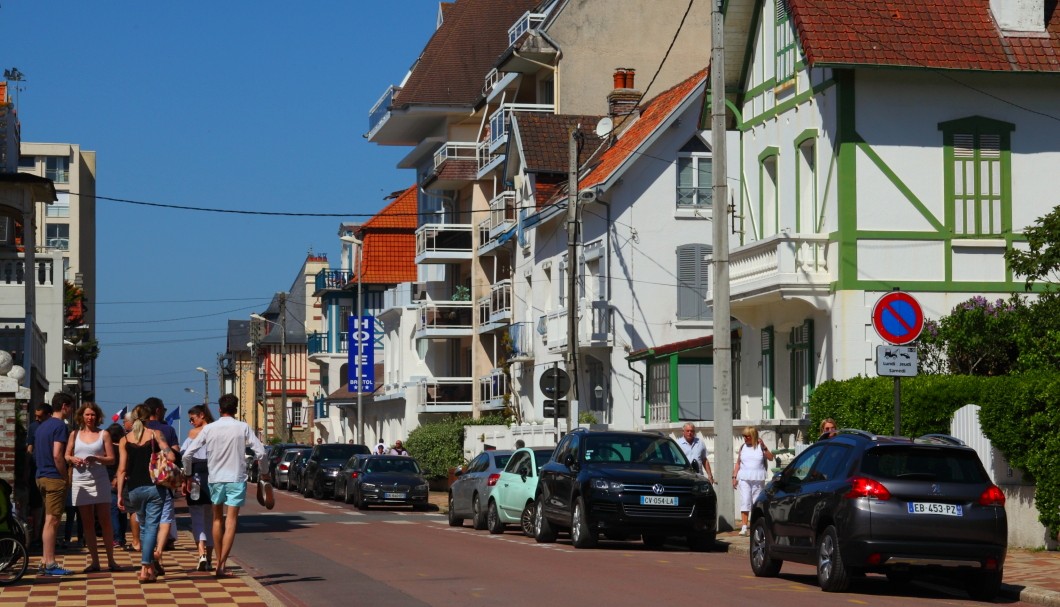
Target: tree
[[1041, 260], [977, 338]]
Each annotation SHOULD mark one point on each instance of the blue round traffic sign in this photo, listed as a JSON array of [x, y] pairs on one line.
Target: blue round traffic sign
[[898, 318]]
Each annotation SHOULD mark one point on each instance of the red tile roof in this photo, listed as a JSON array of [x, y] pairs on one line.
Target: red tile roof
[[453, 169], [652, 115], [949, 34], [544, 140], [390, 242], [452, 68]]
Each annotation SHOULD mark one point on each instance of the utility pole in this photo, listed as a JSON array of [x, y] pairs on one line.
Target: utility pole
[[283, 366], [572, 281], [723, 456]]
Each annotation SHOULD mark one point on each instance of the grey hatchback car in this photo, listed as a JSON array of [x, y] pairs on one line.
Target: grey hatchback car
[[470, 494], [861, 503]]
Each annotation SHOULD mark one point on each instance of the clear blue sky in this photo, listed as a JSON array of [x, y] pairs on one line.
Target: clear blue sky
[[249, 105]]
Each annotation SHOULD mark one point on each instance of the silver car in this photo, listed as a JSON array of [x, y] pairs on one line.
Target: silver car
[[283, 468], [469, 496]]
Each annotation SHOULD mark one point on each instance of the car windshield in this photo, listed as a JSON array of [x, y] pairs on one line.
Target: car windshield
[[403, 464], [923, 463], [330, 453], [633, 449]]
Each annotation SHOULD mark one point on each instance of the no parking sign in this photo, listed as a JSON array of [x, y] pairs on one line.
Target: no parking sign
[[898, 318]]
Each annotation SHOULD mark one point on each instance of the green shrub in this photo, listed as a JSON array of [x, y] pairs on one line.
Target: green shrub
[[439, 446]]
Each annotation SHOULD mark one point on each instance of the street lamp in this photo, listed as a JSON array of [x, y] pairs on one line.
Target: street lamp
[[206, 386], [351, 239], [283, 358]]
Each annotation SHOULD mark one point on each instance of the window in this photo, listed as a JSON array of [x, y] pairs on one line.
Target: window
[[294, 414], [659, 392], [784, 41], [693, 276], [27, 162], [561, 284], [694, 175], [800, 344], [807, 187], [767, 206], [57, 168], [767, 373], [57, 236], [61, 207], [594, 275], [978, 176]]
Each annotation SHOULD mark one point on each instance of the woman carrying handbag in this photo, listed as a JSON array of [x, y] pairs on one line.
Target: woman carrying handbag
[[145, 496]]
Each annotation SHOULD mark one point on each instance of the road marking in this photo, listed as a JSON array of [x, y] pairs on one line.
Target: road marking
[[399, 522], [354, 523]]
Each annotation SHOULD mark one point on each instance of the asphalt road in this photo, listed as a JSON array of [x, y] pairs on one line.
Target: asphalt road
[[310, 552]]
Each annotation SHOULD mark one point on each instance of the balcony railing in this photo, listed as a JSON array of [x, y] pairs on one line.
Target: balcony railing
[[525, 23], [320, 343], [594, 327], [501, 120], [381, 108], [521, 335], [13, 340], [445, 395], [458, 150], [443, 243], [790, 263], [13, 271], [502, 212], [492, 388], [333, 279], [444, 316]]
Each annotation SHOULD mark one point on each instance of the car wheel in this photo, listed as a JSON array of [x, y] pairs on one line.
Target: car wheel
[[831, 573], [543, 531], [346, 494], [493, 519], [454, 520], [305, 488], [358, 500], [318, 493], [526, 519], [702, 541], [762, 564], [652, 540], [984, 586], [582, 535], [478, 517]]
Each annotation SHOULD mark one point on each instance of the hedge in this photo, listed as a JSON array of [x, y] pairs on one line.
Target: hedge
[[439, 446]]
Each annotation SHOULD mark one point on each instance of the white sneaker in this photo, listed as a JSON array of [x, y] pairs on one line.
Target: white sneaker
[[743, 530]]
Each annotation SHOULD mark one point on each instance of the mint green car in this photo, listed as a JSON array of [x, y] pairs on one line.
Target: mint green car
[[512, 499]]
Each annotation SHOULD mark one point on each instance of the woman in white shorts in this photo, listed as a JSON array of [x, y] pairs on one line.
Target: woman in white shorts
[[750, 471], [89, 451]]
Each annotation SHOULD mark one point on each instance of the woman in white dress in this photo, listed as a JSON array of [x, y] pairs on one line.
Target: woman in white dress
[[89, 451], [750, 471]]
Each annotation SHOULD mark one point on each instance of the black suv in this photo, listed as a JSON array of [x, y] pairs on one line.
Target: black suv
[[318, 477], [860, 503], [624, 484]]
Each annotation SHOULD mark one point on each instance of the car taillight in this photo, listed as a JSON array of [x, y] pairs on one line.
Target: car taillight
[[354, 474], [866, 487], [992, 497], [492, 480]]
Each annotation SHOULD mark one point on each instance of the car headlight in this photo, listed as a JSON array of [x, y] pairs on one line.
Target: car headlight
[[369, 487], [422, 487], [602, 484], [702, 488], [332, 472]]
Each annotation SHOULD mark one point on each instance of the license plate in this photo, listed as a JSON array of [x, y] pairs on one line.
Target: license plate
[[394, 496], [656, 500], [933, 508]]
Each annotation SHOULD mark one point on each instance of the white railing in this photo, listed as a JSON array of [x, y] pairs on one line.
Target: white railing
[[492, 388], [778, 262], [445, 394], [443, 238], [466, 150], [451, 315], [13, 272], [502, 212], [381, 108], [594, 327], [501, 119], [525, 23], [497, 306]]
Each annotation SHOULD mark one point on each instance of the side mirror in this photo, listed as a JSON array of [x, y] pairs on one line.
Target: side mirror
[[695, 466], [568, 460], [522, 475], [458, 472]]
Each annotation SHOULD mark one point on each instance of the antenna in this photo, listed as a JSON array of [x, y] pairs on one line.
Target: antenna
[[604, 127]]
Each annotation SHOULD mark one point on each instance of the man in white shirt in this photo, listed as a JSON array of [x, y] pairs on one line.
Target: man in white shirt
[[695, 450], [225, 442]]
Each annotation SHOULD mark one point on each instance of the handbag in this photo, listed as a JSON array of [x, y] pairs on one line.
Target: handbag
[[163, 472]]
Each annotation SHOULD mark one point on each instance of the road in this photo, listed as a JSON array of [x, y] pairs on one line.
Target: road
[[310, 552]]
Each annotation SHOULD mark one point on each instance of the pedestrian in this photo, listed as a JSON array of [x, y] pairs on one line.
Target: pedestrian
[[828, 429], [167, 529], [134, 522], [520, 443], [225, 442], [89, 451], [695, 450], [398, 449], [197, 489], [41, 412], [119, 521], [145, 497], [320, 441], [49, 445], [380, 449], [749, 474]]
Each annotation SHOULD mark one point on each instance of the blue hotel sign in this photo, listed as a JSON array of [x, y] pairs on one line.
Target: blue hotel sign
[[362, 353]]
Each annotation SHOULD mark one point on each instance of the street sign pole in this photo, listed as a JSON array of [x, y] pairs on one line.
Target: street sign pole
[[898, 319], [555, 391], [897, 406]]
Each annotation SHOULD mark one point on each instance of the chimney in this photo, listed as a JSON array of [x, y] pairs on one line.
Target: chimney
[[623, 102], [1019, 16]]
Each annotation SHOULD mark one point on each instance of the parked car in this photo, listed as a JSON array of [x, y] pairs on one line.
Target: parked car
[[252, 464], [273, 455], [282, 478], [858, 503], [318, 477], [512, 500], [349, 471], [624, 484], [295, 469], [391, 480], [469, 495]]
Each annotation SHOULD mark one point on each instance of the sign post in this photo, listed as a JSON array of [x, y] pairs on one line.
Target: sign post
[[554, 384], [898, 319], [362, 354]]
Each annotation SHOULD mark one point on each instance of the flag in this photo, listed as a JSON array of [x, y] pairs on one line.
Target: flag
[[173, 416], [119, 415]]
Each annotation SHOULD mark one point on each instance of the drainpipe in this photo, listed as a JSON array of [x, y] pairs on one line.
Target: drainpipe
[[643, 402]]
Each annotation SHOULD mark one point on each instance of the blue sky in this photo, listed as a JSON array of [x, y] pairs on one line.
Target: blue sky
[[225, 105]]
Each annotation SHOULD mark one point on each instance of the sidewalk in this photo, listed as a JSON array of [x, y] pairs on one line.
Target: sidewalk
[[1030, 576], [182, 584]]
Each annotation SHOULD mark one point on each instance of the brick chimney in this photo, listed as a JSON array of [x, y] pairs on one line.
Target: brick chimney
[[623, 103], [1019, 16]]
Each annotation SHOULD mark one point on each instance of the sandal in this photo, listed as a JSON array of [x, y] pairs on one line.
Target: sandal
[[150, 579], [92, 569], [158, 568]]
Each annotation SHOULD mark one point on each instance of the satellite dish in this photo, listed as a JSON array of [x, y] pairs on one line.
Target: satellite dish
[[604, 127]]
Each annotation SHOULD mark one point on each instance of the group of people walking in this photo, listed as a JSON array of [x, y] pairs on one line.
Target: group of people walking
[[97, 469]]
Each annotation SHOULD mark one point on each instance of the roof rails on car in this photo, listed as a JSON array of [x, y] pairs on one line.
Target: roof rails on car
[[858, 432], [939, 439]]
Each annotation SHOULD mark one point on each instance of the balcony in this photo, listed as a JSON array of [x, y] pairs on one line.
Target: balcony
[[525, 23], [445, 395], [13, 340], [333, 280], [780, 268], [502, 213], [489, 149], [321, 343], [521, 335], [454, 166], [13, 271], [492, 389], [594, 327], [495, 310], [381, 110], [443, 243], [439, 319]]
